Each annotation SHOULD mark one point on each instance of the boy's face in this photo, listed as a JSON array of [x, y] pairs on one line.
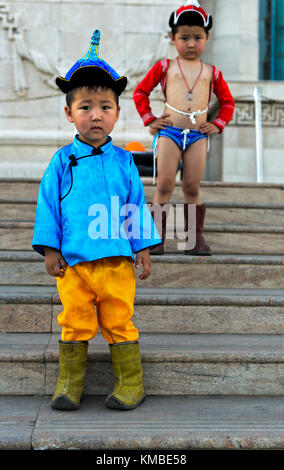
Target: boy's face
[[190, 41], [94, 113]]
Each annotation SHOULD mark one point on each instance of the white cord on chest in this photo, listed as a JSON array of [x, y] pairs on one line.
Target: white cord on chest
[[190, 116]]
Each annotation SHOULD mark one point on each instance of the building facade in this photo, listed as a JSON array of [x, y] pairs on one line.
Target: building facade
[[40, 39]]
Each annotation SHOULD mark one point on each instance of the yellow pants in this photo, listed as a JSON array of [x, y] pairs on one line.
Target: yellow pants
[[111, 283]]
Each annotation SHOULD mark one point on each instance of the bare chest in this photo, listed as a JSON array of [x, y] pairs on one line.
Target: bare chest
[[189, 87]]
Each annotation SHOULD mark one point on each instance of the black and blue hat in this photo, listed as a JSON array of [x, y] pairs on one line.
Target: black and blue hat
[[92, 70]]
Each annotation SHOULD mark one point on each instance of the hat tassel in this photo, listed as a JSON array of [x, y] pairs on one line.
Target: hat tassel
[[95, 41]]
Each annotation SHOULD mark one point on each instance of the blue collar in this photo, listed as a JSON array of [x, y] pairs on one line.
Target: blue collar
[[81, 148]]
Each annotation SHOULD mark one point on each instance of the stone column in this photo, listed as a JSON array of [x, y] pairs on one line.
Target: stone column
[[235, 47]]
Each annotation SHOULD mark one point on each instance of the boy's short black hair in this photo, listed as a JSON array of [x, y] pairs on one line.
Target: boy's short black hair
[[188, 19], [71, 94]]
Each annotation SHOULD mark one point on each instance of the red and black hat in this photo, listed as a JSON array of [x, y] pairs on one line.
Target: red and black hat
[[191, 13]]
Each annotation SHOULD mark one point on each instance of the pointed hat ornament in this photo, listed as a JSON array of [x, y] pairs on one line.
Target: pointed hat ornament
[[192, 6], [92, 70]]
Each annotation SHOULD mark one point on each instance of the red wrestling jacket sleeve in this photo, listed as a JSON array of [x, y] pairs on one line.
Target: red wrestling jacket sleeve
[[226, 101], [143, 90]]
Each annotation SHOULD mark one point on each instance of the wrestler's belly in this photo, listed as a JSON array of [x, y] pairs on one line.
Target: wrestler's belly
[[178, 120]]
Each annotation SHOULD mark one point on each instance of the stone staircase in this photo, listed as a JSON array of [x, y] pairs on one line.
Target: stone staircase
[[211, 335]]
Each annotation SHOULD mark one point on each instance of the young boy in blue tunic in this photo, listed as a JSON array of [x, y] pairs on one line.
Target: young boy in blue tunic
[[83, 230]]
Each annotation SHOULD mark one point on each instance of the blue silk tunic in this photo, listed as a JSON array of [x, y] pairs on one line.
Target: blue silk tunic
[[91, 205]]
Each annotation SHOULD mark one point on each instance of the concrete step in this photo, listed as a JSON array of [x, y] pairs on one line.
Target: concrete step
[[173, 364], [245, 215], [170, 270], [34, 309], [225, 192], [211, 191], [223, 238], [184, 424]]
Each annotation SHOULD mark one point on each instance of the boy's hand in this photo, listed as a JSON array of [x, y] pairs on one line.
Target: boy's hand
[[160, 123], [209, 128], [54, 262], [143, 257]]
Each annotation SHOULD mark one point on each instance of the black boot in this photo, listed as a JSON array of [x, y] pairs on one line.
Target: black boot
[[201, 248], [160, 219]]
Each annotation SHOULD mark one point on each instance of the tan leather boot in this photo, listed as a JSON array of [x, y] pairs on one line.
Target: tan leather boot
[[128, 390], [70, 384]]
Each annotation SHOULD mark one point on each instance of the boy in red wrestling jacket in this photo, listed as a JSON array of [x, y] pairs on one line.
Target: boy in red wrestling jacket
[[183, 129]]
